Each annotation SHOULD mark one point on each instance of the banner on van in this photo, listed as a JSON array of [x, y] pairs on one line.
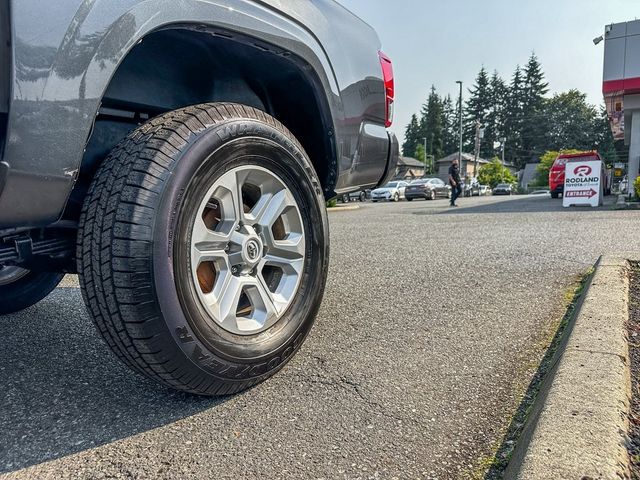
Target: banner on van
[[583, 184]]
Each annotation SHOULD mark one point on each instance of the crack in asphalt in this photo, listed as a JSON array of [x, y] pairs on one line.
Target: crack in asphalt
[[325, 377]]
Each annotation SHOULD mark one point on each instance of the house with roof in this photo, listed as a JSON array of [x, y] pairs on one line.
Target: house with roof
[[409, 168], [467, 165]]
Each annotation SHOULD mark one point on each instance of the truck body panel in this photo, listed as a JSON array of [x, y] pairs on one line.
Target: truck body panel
[[64, 54]]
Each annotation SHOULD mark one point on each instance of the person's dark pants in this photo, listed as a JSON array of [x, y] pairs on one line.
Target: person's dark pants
[[455, 193]]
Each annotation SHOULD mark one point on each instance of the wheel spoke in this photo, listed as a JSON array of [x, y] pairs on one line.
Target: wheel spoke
[[286, 251], [274, 207], [263, 301], [223, 301], [206, 244], [232, 205]]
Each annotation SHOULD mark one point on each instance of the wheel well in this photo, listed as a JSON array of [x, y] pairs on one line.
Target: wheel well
[[186, 65]]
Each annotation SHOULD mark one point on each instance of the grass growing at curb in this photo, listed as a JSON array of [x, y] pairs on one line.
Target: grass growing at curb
[[491, 467], [633, 329]]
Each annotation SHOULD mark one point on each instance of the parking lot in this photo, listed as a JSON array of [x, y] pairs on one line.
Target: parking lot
[[432, 325]]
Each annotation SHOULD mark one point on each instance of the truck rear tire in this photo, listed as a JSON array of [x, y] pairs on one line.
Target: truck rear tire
[[21, 288], [203, 248], [555, 194]]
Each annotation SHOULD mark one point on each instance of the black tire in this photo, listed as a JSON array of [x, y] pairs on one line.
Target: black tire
[[133, 238], [345, 198], [409, 199], [27, 290], [554, 194], [362, 197]]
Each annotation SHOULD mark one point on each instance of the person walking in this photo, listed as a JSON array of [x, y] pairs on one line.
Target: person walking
[[454, 181]]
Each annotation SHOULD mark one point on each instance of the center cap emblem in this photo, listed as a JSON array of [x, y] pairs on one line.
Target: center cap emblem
[[253, 250]]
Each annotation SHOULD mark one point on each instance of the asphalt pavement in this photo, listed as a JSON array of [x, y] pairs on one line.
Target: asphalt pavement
[[432, 325]]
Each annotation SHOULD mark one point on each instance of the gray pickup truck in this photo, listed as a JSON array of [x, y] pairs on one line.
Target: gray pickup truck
[[177, 155]]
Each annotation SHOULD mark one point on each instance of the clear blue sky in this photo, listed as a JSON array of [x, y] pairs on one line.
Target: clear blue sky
[[439, 42]]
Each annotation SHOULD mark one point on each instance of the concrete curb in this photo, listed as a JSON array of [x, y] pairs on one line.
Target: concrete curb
[[622, 201], [343, 209], [578, 424]]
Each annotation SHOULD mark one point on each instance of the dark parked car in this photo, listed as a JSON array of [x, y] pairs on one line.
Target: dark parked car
[[178, 157], [503, 189], [427, 189], [357, 196]]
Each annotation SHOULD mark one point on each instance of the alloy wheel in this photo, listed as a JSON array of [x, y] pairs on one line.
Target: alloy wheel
[[247, 250]]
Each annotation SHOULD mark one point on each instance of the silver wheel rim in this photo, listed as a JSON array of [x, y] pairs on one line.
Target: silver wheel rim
[[247, 250], [11, 274]]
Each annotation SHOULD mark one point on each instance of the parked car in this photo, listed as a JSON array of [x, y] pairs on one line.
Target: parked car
[[357, 196], [503, 189], [391, 192], [178, 157], [427, 189], [471, 188], [485, 190], [557, 170]]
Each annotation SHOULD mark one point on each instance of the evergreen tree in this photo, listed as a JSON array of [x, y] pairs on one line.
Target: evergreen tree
[[477, 108], [432, 125], [411, 137], [450, 122], [519, 112], [494, 127], [534, 123], [514, 119]]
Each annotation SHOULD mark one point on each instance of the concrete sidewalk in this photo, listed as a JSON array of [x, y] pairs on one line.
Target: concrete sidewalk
[[577, 427]]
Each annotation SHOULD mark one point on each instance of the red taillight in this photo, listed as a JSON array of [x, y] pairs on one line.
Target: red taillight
[[387, 75]]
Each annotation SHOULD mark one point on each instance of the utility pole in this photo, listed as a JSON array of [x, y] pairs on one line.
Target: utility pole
[[460, 108], [479, 133], [425, 156]]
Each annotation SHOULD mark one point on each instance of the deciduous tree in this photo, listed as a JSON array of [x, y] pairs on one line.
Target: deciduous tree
[[494, 173]]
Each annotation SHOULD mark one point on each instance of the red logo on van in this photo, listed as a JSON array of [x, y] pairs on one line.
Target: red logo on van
[[583, 171]]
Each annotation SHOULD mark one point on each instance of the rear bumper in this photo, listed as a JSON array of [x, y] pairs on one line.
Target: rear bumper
[[416, 194], [392, 160]]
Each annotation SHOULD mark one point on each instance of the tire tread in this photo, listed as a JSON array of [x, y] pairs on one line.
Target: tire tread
[[116, 234]]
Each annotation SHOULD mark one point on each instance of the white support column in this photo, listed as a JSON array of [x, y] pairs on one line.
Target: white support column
[[634, 150]]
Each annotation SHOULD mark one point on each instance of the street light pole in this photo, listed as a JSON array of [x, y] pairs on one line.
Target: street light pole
[[459, 82]]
